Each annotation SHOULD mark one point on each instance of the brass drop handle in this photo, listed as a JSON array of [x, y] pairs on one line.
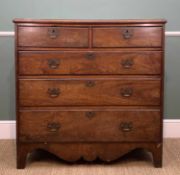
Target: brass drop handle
[[90, 55], [90, 114], [128, 63], [126, 92], [53, 32], [127, 33], [126, 126], [54, 92], [90, 83], [53, 126], [53, 63]]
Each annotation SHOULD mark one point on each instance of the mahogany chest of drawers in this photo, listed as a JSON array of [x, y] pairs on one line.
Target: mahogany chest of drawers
[[89, 88]]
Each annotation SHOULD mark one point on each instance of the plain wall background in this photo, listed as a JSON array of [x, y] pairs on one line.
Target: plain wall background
[[94, 9]]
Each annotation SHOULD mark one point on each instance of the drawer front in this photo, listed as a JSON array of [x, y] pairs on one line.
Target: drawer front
[[89, 126], [127, 37], [88, 91], [52, 37], [56, 63]]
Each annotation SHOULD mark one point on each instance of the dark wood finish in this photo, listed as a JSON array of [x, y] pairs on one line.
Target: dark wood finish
[[62, 126], [89, 88], [127, 37], [88, 91], [60, 22], [52, 37], [87, 49], [89, 62], [73, 152]]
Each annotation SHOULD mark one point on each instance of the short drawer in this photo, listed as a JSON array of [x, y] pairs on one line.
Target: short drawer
[[127, 37], [89, 91], [52, 37], [90, 125], [92, 62]]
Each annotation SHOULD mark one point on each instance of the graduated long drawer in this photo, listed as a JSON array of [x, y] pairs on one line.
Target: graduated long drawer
[[89, 62], [92, 90], [90, 125]]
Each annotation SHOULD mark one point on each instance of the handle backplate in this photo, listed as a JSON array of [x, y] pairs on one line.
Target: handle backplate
[[126, 126], [90, 114], [90, 55], [54, 92], [127, 33], [126, 92], [90, 83], [53, 126], [53, 63], [127, 63], [53, 32]]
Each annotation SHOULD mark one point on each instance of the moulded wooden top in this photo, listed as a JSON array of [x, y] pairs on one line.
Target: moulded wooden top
[[90, 21]]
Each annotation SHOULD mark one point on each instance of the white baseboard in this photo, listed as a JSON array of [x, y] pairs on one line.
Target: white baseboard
[[171, 129], [12, 33], [8, 129]]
